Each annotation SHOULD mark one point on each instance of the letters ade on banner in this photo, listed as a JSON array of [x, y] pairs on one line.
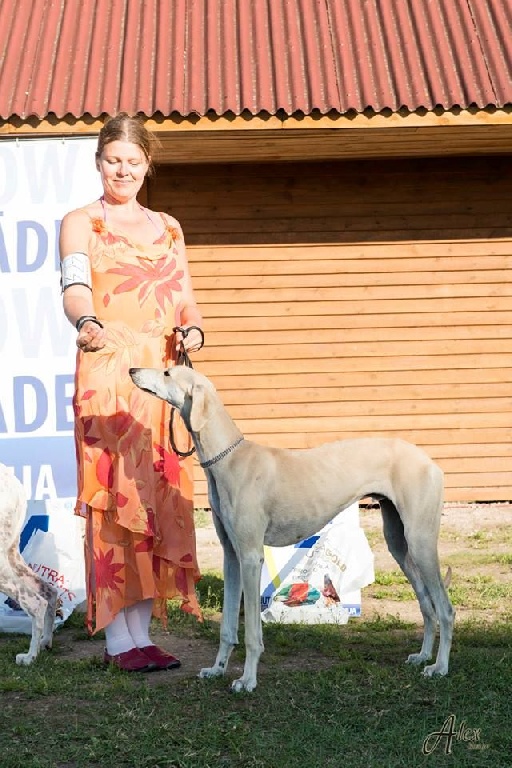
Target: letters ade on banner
[[40, 181]]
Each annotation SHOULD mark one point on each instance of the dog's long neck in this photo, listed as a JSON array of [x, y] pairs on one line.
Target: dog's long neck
[[218, 434]]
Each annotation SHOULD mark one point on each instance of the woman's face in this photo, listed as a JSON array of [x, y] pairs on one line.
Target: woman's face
[[123, 167]]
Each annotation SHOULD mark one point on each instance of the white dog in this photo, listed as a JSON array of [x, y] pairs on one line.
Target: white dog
[[17, 580], [272, 496]]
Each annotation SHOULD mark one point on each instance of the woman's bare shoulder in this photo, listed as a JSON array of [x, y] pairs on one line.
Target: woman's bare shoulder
[[83, 215], [170, 220], [76, 230]]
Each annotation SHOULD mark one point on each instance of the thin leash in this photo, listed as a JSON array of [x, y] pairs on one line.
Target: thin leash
[[182, 358]]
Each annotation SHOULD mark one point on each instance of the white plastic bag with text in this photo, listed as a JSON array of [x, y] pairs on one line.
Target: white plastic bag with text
[[319, 580], [57, 556]]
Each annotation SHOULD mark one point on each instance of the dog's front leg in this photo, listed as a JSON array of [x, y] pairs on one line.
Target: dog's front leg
[[19, 582], [251, 577], [230, 609]]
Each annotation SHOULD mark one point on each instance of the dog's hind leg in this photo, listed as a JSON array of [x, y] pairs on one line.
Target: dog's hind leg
[[415, 550], [394, 535], [230, 607], [51, 595], [423, 553]]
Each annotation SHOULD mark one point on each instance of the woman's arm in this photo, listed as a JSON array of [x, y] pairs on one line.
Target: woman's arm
[[75, 233], [189, 312]]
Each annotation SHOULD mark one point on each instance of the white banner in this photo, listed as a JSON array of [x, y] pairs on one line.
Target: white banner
[[40, 181]]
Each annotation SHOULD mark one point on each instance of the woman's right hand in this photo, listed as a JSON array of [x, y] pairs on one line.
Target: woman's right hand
[[91, 337]]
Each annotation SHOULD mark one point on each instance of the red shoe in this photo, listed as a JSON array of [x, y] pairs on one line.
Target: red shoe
[[160, 658], [130, 661]]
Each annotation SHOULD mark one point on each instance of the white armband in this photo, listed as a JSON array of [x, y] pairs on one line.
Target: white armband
[[75, 269]]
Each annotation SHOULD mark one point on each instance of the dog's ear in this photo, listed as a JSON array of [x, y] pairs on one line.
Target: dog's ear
[[198, 408]]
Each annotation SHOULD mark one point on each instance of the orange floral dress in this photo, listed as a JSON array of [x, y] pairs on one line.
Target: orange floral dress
[[135, 492]]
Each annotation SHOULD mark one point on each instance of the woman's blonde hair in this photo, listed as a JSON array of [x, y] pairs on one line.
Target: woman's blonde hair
[[124, 127]]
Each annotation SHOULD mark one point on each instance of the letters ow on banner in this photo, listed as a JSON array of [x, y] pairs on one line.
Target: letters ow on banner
[[40, 181]]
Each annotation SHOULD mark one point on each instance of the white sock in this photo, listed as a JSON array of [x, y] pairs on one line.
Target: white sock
[[138, 619], [117, 635]]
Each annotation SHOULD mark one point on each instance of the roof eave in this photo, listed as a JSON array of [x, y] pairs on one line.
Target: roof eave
[[232, 138]]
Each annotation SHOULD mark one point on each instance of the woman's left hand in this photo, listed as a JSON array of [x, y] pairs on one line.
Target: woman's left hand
[[192, 341]]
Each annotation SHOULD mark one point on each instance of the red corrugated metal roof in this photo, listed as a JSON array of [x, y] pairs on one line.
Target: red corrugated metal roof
[[88, 57]]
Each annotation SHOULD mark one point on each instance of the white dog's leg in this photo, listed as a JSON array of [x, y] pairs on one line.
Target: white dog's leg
[[435, 606], [37, 598], [395, 539], [35, 606], [427, 563], [428, 613], [251, 575], [230, 610], [446, 623], [51, 595]]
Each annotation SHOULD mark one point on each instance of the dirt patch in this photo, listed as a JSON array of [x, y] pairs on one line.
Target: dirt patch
[[193, 652]]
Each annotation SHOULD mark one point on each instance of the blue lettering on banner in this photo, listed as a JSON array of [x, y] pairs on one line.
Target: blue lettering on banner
[[4, 261], [39, 318], [52, 171], [46, 466], [32, 244], [31, 318], [63, 403], [3, 423], [31, 400], [57, 223], [25, 229], [48, 170], [21, 419]]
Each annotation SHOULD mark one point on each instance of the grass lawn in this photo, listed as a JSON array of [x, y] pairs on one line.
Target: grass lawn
[[327, 696]]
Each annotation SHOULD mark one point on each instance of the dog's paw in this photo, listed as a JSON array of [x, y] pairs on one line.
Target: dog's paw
[[47, 642], [243, 685], [417, 658], [435, 670], [24, 659], [207, 672]]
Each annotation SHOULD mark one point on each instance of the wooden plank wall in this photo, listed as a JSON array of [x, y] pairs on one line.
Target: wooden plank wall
[[351, 299]]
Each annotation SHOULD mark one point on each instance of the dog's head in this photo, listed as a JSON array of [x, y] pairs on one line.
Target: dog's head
[[182, 387]]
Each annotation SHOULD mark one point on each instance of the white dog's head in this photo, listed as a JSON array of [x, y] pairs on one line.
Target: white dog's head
[[182, 387]]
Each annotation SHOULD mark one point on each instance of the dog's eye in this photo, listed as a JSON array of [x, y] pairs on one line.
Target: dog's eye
[[167, 372]]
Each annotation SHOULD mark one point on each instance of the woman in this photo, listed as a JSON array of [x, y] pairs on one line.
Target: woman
[[126, 285]]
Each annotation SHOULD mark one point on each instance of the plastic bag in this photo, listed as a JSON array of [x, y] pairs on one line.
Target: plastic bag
[[318, 580], [52, 544]]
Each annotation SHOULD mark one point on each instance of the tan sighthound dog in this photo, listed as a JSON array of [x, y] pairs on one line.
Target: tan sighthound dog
[[262, 495], [35, 596]]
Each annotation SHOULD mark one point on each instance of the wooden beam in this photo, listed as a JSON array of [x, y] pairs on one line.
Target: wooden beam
[[313, 137]]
